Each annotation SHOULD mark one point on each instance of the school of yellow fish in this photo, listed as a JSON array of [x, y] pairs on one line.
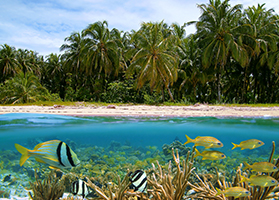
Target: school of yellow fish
[[254, 180], [58, 155]]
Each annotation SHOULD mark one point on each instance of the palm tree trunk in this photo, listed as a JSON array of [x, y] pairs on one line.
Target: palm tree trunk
[[171, 96], [163, 93], [219, 86]]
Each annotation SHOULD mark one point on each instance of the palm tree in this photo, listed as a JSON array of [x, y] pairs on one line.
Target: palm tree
[[53, 74], [23, 88], [261, 44], [217, 29], [9, 65], [74, 49], [102, 51], [190, 63], [29, 61], [154, 62]]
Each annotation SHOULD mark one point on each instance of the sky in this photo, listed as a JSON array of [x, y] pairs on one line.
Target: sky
[[42, 25]]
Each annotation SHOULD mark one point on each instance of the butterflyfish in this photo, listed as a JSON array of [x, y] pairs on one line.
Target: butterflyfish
[[138, 181], [260, 180], [205, 141], [261, 167], [80, 188], [248, 144], [55, 153], [210, 155], [235, 192]]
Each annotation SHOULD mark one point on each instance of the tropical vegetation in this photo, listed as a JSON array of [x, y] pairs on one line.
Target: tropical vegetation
[[232, 58]]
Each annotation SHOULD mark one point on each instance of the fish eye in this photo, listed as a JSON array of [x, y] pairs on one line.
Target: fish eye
[[273, 181], [223, 155], [274, 167], [260, 142], [247, 192], [219, 143]]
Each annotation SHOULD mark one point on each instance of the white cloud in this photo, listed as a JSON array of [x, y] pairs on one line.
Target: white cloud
[[42, 25]]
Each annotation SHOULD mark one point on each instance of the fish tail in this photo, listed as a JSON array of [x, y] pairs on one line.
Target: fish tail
[[25, 153], [197, 153], [234, 145], [246, 165], [189, 140], [243, 179]]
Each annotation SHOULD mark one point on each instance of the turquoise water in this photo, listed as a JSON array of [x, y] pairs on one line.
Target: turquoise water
[[138, 133]]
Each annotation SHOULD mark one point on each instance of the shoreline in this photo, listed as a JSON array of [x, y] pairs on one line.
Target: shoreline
[[199, 110]]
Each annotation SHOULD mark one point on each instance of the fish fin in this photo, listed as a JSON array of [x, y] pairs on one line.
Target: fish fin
[[52, 158], [237, 196], [189, 140], [246, 165], [48, 143], [218, 192], [39, 160], [242, 148], [197, 153], [25, 153], [208, 147], [38, 146], [52, 167], [253, 147], [234, 145]]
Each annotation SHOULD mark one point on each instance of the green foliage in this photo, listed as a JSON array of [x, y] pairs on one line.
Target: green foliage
[[24, 89], [120, 92]]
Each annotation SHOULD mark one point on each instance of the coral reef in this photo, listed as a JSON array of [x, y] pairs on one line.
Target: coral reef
[[205, 190], [172, 174], [176, 144], [50, 188], [171, 184]]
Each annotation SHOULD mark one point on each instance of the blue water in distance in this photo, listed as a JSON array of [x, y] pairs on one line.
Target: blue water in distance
[[135, 131]]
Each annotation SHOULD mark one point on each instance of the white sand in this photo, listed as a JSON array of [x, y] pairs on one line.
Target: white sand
[[143, 110]]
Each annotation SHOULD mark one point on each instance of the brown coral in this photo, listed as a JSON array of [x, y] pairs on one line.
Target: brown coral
[[48, 189]]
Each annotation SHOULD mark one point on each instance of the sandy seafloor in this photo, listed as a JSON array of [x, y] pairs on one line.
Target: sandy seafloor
[[198, 110]]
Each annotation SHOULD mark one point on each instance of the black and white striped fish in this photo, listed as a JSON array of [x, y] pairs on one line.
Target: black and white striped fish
[[79, 187], [138, 181], [55, 153]]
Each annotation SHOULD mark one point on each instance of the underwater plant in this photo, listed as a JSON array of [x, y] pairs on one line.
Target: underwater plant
[[50, 188]]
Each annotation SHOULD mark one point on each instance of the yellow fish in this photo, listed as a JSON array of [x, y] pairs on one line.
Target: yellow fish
[[260, 180], [235, 192], [205, 141], [248, 144], [55, 153], [210, 155], [261, 167]]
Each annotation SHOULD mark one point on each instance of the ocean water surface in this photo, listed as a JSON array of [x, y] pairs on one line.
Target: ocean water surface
[[142, 137]]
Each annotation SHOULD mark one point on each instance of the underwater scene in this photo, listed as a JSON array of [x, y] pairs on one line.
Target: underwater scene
[[45, 157]]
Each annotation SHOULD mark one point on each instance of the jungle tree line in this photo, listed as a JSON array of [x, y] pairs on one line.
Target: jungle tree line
[[233, 58]]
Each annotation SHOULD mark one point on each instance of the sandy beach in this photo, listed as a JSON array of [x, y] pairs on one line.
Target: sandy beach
[[199, 110]]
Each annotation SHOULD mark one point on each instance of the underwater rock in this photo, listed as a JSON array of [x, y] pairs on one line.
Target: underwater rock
[[94, 157], [182, 149], [7, 178], [114, 146]]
